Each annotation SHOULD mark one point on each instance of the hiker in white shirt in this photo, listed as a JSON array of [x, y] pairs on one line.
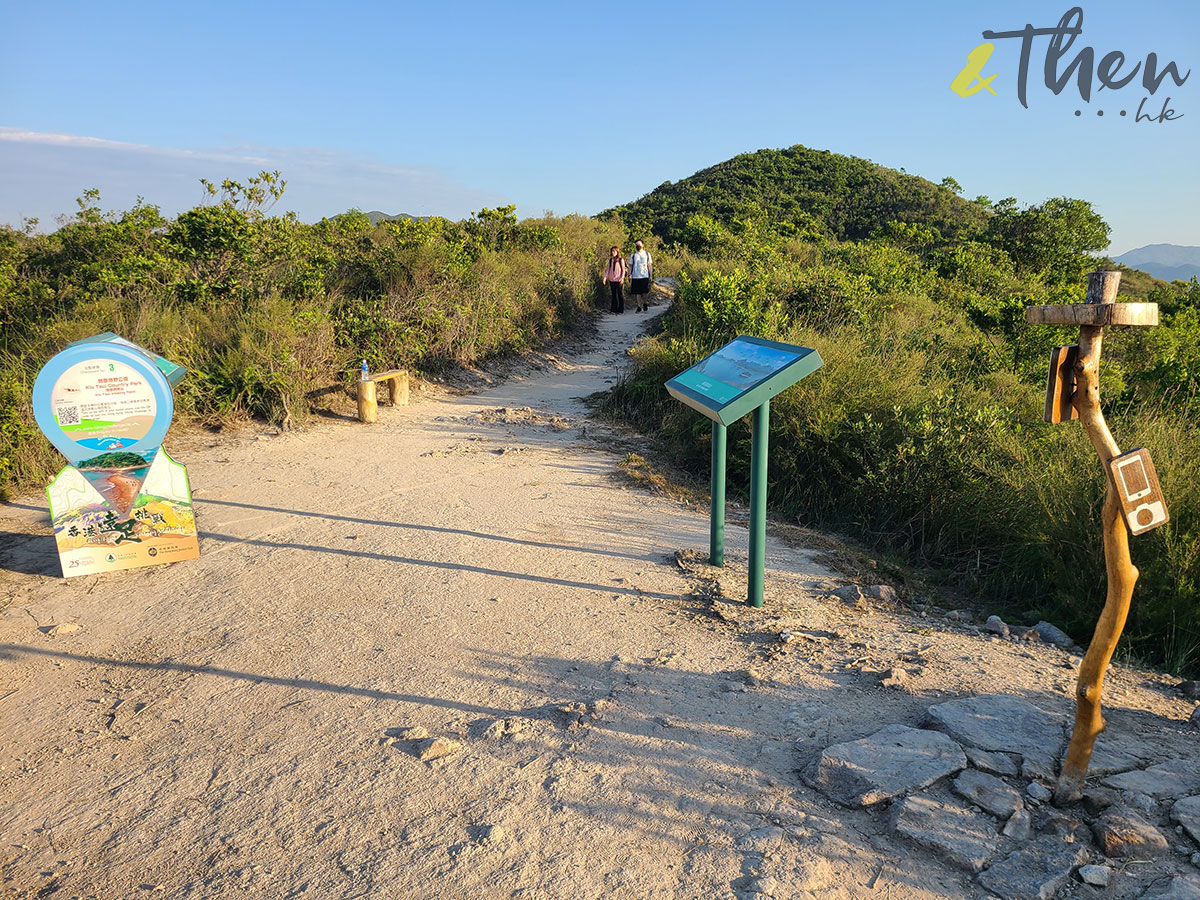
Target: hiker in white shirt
[[641, 276]]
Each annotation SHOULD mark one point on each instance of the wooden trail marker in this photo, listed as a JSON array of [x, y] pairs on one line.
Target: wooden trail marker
[[1060, 387], [1128, 475]]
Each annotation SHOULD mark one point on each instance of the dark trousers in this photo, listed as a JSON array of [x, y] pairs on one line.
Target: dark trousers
[[617, 303]]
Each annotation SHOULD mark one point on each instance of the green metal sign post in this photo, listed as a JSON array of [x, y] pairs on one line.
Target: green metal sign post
[[716, 528], [726, 385], [758, 505]]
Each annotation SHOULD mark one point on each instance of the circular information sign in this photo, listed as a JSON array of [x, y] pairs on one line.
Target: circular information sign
[[99, 398]]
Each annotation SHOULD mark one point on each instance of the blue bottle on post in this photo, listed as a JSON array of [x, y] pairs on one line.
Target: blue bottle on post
[[363, 376]]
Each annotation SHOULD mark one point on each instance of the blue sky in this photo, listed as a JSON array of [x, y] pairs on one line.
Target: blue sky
[[444, 108]]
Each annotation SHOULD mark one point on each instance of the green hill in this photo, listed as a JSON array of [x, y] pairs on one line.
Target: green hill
[[795, 188]]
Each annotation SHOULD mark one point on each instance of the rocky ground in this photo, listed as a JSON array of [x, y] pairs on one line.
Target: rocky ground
[[459, 653]]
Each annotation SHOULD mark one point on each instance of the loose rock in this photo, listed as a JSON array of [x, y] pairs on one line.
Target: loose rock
[[1173, 778], [1067, 828], [1142, 802], [1190, 689], [891, 762], [1018, 825], [895, 677], [1097, 799], [1051, 634], [996, 625], [64, 628], [1039, 791], [884, 593], [1186, 813], [1035, 871], [960, 836], [992, 763], [1194, 721], [852, 595], [1096, 875], [1002, 723], [988, 793], [435, 748], [1123, 834]]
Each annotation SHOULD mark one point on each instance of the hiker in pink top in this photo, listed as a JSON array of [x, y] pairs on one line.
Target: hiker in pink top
[[614, 275]]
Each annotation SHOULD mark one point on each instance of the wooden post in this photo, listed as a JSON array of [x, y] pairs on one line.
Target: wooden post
[[398, 388], [1122, 574], [367, 407]]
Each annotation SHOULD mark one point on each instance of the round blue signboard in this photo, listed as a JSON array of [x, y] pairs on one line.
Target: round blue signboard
[[102, 397]]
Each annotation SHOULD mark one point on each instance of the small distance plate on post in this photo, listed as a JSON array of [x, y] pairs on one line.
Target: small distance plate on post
[[1060, 387], [1139, 491]]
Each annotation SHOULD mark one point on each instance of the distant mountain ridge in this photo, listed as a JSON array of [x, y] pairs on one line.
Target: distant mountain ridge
[[1170, 262], [376, 217]]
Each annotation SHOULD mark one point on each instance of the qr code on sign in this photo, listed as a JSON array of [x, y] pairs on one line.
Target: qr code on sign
[[68, 415]]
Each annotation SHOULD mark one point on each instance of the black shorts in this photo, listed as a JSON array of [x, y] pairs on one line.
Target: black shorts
[[639, 286]]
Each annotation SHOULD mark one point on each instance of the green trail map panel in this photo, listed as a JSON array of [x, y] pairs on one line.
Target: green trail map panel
[[740, 376], [734, 369]]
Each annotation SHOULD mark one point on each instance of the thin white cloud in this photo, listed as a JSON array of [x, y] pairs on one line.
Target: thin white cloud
[[21, 136], [41, 173]]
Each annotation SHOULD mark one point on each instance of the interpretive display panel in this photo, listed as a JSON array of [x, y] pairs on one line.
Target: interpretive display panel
[[106, 404], [741, 376], [727, 384]]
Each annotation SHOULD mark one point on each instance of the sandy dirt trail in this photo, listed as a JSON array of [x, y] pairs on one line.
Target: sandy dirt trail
[[253, 723]]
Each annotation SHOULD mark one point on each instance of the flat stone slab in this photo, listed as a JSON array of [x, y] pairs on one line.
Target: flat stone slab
[[1035, 872], [992, 763], [1174, 778], [1112, 755], [1123, 834], [1000, 723], [988, 793], [1186, 812], [891, 762], [961, 837]]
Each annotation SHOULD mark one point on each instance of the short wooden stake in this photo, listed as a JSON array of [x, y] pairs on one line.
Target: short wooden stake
[[398, 389], [368, 410]]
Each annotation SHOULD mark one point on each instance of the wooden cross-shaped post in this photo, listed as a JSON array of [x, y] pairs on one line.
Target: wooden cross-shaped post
[[1133, 494]]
